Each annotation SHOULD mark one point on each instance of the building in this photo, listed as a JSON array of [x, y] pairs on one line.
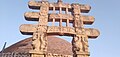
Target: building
[[57, 47]]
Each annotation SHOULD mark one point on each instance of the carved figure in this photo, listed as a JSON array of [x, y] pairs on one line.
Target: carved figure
[[36, 42], [39, 40], [77, 44], [85, 43], [43, 41]]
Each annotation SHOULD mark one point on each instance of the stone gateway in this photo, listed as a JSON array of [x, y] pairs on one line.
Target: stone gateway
[[62, 13], [65, 15]]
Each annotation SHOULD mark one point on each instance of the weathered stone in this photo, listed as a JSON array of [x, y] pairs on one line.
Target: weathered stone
[[41, 30], [34, 16], [37, 5], [28, 29]]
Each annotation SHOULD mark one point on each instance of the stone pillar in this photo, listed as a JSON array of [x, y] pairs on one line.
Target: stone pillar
[[53, 22], [66, 11], [53, 9], [39, 41], [60, 10], [80, 40], [80, 46], [67, 23], [78, 22], [37, 54], [43, 18], [60, 23]]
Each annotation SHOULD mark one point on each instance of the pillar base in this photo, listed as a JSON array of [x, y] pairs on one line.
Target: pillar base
[[82, 54], [37, 53]]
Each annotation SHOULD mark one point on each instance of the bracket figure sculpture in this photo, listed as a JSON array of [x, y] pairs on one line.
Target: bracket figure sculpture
[[47, 14], [80, 45], [39, 40]]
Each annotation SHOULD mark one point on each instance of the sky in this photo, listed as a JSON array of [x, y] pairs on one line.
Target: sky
[[106, 13]]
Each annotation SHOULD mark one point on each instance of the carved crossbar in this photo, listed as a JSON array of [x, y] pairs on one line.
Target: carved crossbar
[[34, 16], [28, 29], [37, 5]]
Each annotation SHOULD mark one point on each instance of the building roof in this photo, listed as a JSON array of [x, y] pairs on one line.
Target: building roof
[[55, 45]]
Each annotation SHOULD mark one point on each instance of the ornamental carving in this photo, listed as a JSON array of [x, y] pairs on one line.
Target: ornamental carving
[[72, 15], [39, 41]]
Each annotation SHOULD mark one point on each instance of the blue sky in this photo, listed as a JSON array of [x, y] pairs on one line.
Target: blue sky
[[106, 13]]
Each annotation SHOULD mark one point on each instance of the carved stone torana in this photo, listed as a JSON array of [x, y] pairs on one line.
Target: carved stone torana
[[59, 12]]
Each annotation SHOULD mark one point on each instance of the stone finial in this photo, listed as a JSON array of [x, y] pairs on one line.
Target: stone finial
[[44, 0], [59, 1]]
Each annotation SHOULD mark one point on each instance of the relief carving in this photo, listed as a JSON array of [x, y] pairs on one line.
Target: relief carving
[[43, 20], [43, 40], [44, 10], [85, 43], [57, 55], [78, 22], [80, 44], [80, 35], [61, 29], [35, 41], [77, 44], [39, 41]]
